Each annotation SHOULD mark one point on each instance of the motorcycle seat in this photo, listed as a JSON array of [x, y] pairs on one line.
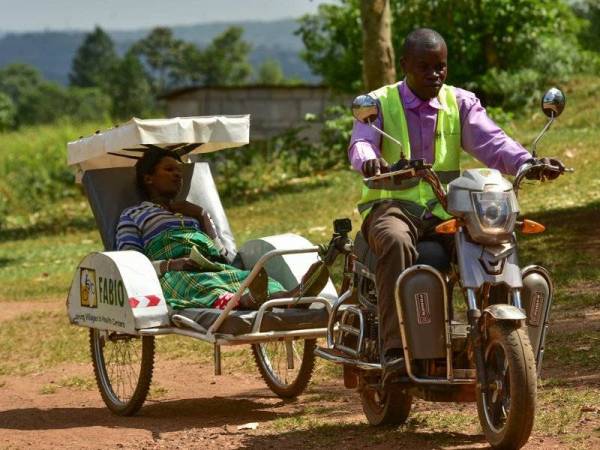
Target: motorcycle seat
[[431, 253]]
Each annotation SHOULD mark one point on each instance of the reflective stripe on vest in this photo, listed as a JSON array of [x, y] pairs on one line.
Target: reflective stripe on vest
[[447, 151]]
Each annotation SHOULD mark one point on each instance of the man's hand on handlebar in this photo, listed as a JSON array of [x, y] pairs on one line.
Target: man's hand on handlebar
[[545, 169], [374, 167]]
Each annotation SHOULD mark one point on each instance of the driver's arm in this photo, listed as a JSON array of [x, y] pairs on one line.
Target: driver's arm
[[365, 144], [485, 140]]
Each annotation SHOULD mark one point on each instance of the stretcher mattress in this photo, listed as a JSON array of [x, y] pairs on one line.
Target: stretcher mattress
[[241, 322]]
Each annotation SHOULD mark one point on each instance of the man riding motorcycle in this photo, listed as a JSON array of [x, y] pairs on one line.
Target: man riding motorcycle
[[434, 122]]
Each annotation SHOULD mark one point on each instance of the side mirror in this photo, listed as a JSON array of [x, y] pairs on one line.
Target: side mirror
[[365, 109], [553, 102]]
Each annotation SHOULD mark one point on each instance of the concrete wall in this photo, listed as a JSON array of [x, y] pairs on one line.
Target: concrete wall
[[273, 109]]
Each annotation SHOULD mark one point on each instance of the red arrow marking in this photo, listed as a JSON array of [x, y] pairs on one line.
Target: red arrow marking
[[133, 302], [153, 300]]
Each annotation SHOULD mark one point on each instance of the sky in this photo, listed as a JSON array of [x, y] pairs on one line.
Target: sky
[[36, 15]]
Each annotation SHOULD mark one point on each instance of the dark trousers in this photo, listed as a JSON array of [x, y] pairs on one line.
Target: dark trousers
[[392, 233]]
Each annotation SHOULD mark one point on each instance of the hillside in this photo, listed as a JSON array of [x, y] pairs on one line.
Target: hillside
[[52, 51]]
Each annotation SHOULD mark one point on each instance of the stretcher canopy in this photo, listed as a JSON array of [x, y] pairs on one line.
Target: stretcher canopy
[[122, 145]]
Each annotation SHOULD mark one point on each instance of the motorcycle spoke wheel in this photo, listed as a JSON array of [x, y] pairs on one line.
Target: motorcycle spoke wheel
[[123, 366], [286, 366], [506, 405]]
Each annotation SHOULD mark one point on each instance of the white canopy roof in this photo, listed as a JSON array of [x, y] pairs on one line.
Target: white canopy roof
[[119, 146]]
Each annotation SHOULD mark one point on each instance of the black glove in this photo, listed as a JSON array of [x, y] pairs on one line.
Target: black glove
[[545, 169], [376, 166]]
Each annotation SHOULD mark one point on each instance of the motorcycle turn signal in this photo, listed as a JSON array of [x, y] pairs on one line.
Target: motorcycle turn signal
[[448, 227], [531, 227]]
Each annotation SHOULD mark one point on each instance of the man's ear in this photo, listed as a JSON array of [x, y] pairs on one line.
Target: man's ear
[[403, 64]]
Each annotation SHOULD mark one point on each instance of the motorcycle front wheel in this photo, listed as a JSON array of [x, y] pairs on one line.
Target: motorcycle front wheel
[[388, 407], [506, 405]]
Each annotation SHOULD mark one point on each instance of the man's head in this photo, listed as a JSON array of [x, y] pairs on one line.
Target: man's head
[[424, 61]]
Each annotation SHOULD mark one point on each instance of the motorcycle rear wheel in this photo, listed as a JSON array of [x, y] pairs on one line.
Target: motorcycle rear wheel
[[506, 407], [390, 407]]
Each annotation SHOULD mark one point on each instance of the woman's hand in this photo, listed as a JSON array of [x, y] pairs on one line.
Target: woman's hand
[[187, 209], [180, 265]]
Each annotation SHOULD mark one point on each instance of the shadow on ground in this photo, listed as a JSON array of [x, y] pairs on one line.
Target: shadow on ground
[[364, 436], [86, 223], [159, 417]]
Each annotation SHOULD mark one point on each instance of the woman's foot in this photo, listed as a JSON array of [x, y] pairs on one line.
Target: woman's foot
[[258, 291], [313, 281]]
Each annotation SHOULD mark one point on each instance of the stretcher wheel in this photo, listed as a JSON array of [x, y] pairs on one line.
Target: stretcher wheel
[[123, 366], [286, 366]]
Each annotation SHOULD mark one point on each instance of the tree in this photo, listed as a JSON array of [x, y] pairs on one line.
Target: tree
[[161, 53], [17, 79], [23, 84], [7, 112], [130, 89], [589, 10], [225, 59], [378, 52], [483, 36], [188, 66], [333, 44], [87, 104], [270, 72], [94, 60]]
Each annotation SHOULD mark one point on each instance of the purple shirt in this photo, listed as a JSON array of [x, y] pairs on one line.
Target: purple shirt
[[480, 136]]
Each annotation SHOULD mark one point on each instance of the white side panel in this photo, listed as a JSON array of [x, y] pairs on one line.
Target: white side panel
[[116, 291], [287, 269]]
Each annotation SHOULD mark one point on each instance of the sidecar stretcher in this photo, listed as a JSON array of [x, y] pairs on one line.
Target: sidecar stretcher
[[117, 294]]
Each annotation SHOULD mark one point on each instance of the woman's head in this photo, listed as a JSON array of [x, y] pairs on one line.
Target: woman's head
[[158, 173]]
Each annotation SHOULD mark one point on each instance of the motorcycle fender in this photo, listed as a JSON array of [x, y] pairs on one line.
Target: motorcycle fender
[[505, 312]]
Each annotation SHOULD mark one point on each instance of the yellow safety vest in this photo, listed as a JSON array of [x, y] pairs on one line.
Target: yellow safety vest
[[447, 151]]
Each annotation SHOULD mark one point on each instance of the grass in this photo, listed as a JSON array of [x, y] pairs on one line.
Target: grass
[[74, 383], [36, 341], [580, 349]]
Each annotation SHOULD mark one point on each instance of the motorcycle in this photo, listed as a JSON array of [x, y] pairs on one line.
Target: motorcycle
[[494, 357]]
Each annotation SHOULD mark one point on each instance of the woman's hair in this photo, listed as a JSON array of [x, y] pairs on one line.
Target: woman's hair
[[148, 162]]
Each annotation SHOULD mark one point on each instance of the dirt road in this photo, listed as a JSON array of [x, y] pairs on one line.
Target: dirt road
[[191, 408]]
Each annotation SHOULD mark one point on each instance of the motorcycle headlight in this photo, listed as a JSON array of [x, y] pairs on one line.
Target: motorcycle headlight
[[494, 212]]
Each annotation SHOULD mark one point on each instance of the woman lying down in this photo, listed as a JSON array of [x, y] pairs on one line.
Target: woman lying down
[[179, 237]]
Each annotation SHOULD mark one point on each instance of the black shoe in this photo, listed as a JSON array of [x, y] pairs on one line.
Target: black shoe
[[259, 289]]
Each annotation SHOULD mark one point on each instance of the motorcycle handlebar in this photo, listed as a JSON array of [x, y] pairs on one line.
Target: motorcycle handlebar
[[527, 167], [423, 171]]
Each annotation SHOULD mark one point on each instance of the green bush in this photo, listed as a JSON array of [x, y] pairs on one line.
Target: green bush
[[33, 166], [293, 154], [7, 112]]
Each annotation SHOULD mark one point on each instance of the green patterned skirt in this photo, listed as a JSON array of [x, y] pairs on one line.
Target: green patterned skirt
[[196, 289]]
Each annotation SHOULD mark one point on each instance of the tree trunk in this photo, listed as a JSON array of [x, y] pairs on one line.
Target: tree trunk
[[378, 52]]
